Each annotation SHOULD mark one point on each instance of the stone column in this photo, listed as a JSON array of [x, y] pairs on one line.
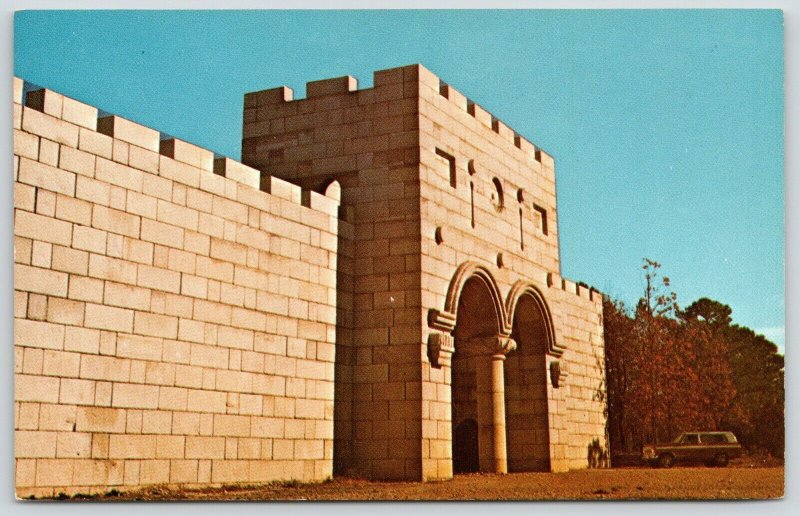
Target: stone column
[[490, 382], [499, 414]]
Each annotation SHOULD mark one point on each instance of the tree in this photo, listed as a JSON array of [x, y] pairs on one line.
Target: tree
[[620, 368], [671, 370], [757, 370]]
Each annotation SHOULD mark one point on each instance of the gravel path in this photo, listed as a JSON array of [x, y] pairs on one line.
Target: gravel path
[[628, 483]]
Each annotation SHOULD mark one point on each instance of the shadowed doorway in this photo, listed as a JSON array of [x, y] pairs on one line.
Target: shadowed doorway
[[472, 437], [528, 439]]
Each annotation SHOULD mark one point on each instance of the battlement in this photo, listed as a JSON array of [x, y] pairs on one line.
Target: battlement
[[391, 84], [556, 281], [67, 121]]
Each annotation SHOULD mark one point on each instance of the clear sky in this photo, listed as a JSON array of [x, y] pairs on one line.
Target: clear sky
[[666, 126]]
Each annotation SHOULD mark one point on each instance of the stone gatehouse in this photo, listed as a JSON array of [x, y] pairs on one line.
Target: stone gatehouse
[[374, 290]]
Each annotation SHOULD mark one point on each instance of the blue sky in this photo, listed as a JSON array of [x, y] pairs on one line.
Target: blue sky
[[666, 126]]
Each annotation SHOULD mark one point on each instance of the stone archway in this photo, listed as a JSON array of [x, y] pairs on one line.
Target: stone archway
[[477, 374], [527, 420]]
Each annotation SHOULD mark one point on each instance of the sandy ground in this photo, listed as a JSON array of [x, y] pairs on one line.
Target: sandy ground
[[624, 483]]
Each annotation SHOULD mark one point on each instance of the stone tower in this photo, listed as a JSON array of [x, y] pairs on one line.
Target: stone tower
[[459, 347]]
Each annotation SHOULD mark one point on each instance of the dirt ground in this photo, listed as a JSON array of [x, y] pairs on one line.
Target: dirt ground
[[598, 484]]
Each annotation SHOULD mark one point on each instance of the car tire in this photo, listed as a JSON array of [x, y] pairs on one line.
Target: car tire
[[721, 460], [666, 461]]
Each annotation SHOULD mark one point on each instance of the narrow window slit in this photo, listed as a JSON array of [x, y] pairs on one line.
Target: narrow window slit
[[542, 216], [472, 202], [451, 160]]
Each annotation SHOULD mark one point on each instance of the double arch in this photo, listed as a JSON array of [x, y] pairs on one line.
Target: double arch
[[445, 319]]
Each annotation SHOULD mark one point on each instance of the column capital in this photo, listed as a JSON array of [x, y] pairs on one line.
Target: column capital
[[493, 345]]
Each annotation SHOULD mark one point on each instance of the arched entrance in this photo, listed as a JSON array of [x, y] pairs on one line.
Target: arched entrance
[[528, 440], [477, 378]]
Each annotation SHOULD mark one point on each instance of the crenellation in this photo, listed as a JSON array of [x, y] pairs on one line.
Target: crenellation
[[454, 96], [17, 86], [333, 86], [238, 172], [187, 153], [79, 113], [129, 132], [46, 101], [266, 97]]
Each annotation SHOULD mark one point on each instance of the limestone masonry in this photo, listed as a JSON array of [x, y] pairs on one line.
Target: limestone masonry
[[374, 291]]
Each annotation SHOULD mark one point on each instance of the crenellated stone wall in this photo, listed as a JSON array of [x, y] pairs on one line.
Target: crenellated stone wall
[[173, 324], [374, 291]]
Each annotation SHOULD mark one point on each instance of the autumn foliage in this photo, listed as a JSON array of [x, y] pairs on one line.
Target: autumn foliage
[[670, 370]]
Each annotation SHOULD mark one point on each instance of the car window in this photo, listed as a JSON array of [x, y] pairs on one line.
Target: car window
[[714, 439], [691, 439]]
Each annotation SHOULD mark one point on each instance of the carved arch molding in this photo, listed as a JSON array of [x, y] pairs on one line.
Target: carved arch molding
[[440, 343]]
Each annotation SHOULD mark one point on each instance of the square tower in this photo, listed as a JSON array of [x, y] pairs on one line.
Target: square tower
[[459, 346]]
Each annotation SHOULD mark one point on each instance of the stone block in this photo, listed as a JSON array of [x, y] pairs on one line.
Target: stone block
[[119, 175], [26, 145], [267, 97], [179, 172], [46, 126], [169, 446], [54, 472], [36, 388], [34, 444], [76, 392], [188, 153], [129, 132], [158, 279], [109, 318], [46, 177], [32, 360], [128, 395], [95, 143], [85, 289], [79, 113], [17, 86], [238, 172], [155, 325], [319, 202], [62, 364], [74, 445], [65, 311], [280, 188], [38, 334], [335, 86], [48, 152], [24, 197], [123, 446], [183, 471], [73, 210], [163, 234], [206, 401], [126, 296], [205, 447], [136, 347], [102, 420]]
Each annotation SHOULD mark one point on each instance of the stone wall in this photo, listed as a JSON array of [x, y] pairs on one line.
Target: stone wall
[[366, 140], [432, 183], [511, 232], [190, 320], [173, 324]]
